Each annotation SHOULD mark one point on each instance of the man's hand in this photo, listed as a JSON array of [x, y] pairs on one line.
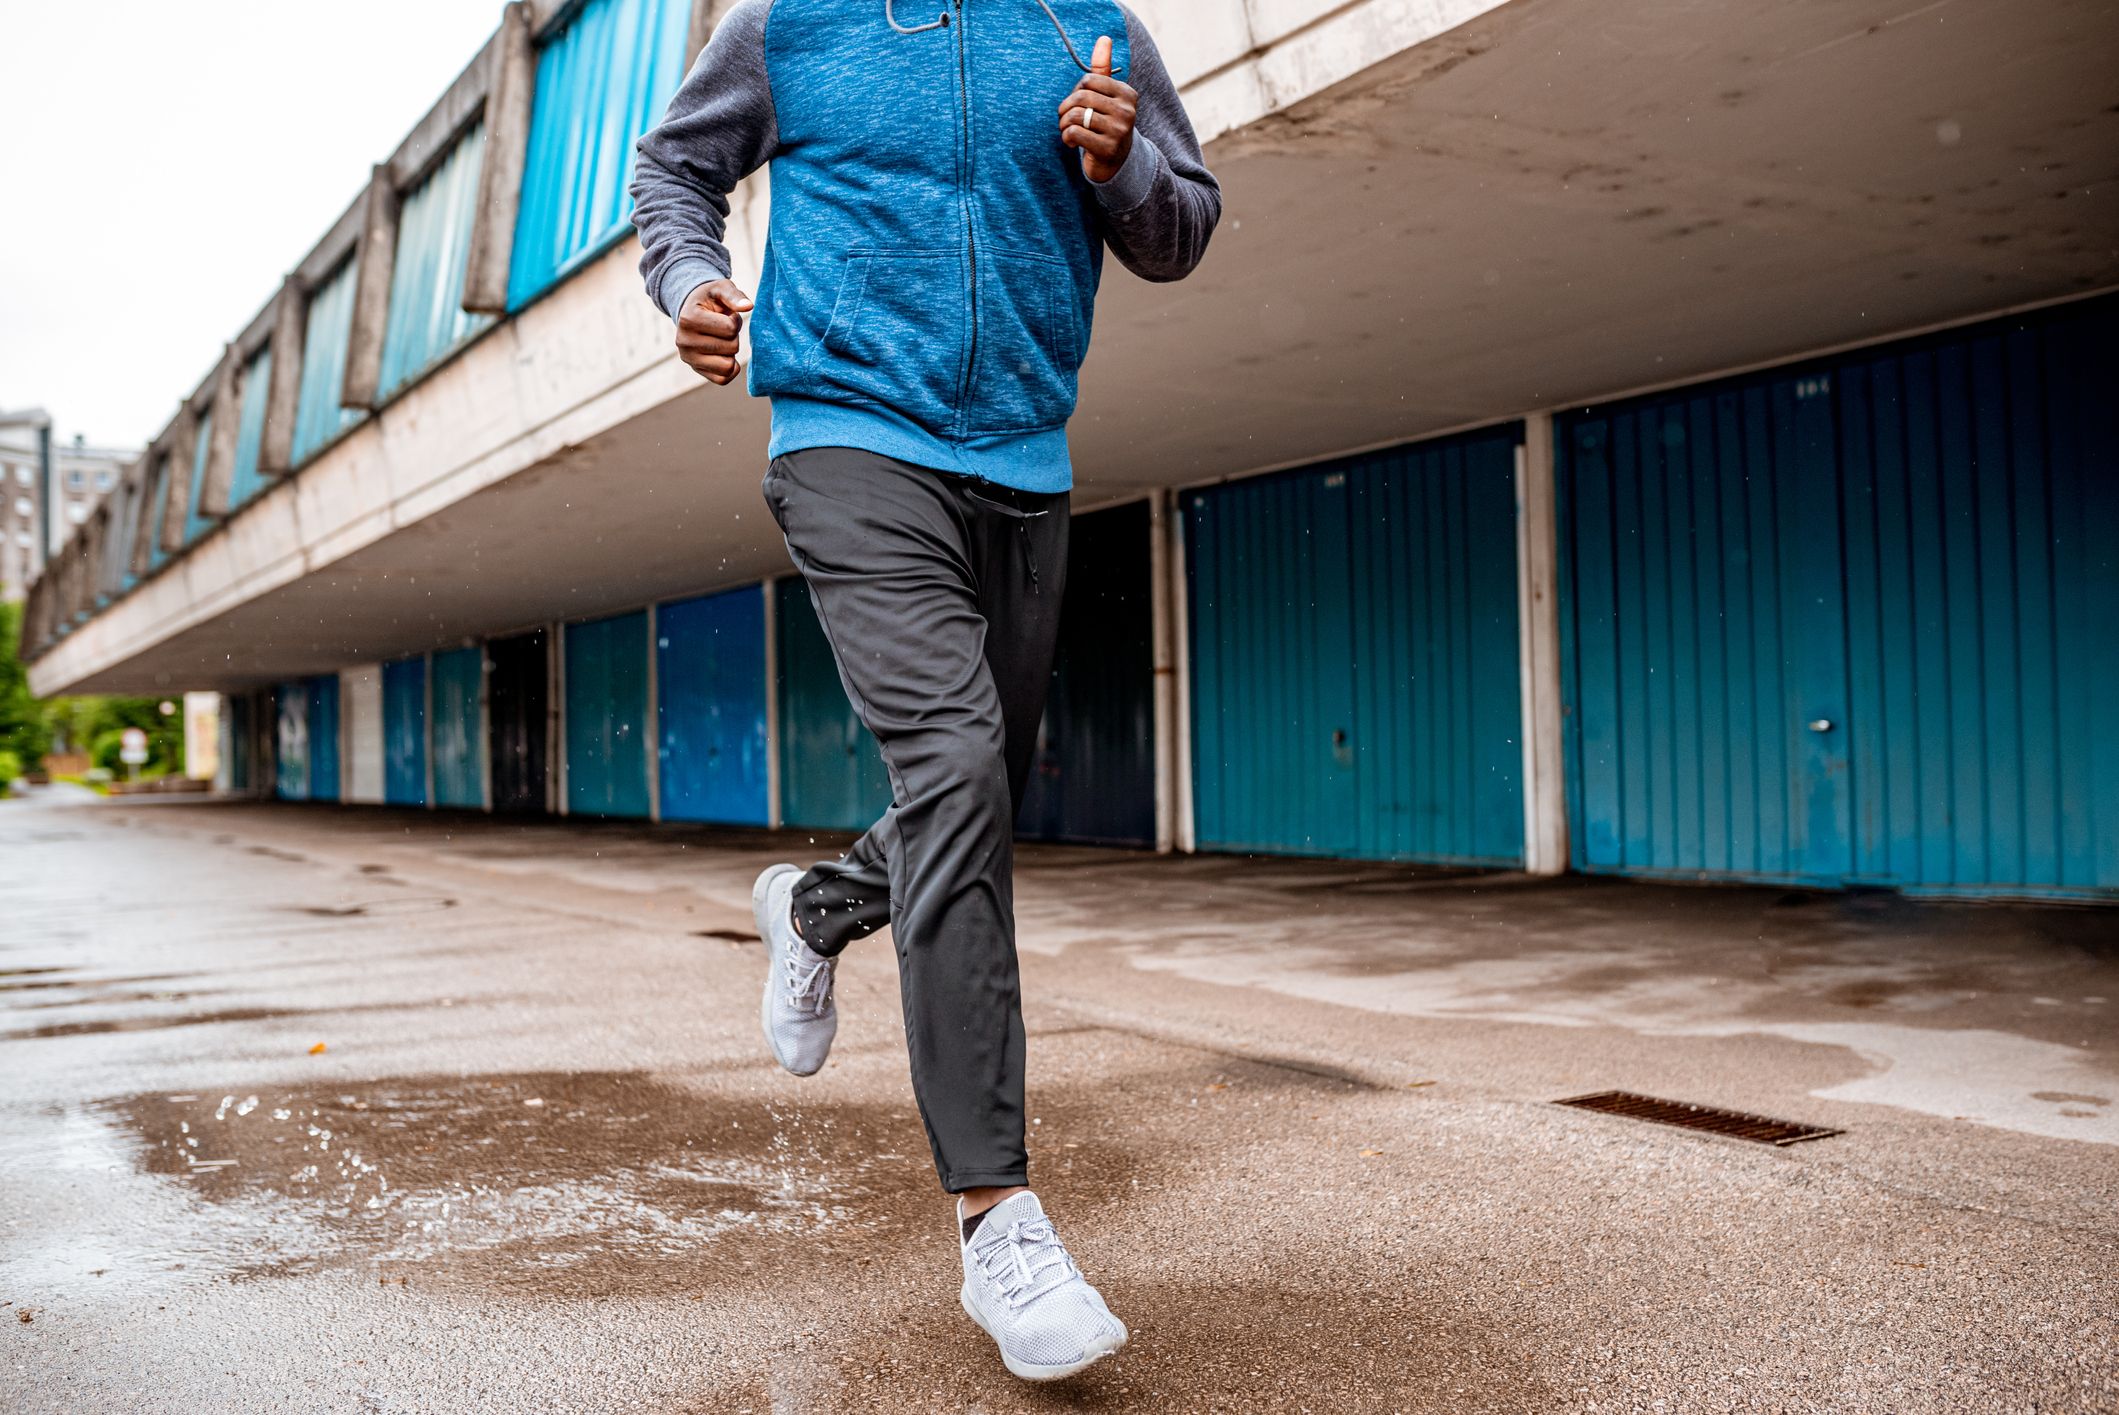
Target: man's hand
[[1098, 117], [707, 327]]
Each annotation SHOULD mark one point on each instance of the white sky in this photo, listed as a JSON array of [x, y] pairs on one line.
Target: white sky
[[165, 163]]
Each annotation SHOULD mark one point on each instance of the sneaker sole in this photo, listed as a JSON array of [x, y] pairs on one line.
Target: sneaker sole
[[1030, 1370]]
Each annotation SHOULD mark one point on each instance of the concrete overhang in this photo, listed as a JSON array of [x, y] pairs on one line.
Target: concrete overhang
[[1437, 215]]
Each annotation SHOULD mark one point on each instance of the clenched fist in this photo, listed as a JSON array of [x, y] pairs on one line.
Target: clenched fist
[[707, 327], [1098, 117]]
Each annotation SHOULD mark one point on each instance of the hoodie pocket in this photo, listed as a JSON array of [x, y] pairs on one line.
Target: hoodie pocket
[[1025, 366], [897, 333]]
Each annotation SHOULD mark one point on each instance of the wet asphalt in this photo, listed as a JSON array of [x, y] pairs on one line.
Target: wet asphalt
[[359, 1110]]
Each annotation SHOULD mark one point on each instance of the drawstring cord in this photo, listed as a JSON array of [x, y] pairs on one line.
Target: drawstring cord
[[943, 19]]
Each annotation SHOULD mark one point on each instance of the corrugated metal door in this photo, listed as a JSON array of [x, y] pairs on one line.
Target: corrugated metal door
[[710, 706], [1854, 621], [239, 734], [291, 775], [250, 430], [602, 81], [459, 745], [405, 732], [831, 770], [427, 318], [518, 692], [318, 418], [1093, 778], [606, 716], [361, 692], [1355, 657], [323, 738]]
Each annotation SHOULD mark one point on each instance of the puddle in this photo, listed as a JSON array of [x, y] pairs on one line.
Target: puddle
[[153, 1022], [374, 908], [595, 1183]]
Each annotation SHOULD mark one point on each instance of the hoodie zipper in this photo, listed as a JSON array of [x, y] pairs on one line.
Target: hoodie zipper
[[971, 236]]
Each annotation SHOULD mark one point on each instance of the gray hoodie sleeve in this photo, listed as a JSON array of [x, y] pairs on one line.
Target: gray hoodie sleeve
[[719, 129], [1161, 207]]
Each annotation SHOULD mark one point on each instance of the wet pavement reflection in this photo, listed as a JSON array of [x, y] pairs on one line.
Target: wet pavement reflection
[[590, 1184]]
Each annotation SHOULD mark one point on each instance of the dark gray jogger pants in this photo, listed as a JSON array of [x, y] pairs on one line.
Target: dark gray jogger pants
[[941, 598]]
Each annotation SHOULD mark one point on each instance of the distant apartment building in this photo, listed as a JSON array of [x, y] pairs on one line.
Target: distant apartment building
[[47, 489]]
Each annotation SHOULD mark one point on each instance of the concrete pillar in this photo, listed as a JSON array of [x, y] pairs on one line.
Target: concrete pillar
[[96, 551], [217, 482], [1185, 835], [1538, 615], [509, 91], [374, 261], [181, 444], [1161, 656], [290, 311], [706, 17]]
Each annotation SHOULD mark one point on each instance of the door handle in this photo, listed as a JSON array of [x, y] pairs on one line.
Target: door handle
[[1821, 724]]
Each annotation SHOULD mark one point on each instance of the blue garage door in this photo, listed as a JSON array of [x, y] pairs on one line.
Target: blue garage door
[[323, 737], [291, 754], [1855, 621], [831, 770], [1355, 686], [458, 735], [710, 707], [606, 716], [405, 732]]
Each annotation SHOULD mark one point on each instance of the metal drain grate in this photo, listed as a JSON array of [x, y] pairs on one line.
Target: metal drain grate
[[1687, 1116]]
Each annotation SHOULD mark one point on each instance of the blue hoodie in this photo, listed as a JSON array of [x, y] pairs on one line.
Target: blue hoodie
[[934, 250]]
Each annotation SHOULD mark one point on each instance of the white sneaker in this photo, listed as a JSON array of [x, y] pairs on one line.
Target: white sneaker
[[1020, 1285], [799, 1017]]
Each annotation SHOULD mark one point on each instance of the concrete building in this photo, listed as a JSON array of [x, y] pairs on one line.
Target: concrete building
[[47, 489], [1652, 439]]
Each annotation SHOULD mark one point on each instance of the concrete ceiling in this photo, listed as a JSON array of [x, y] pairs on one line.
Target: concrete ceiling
[[1556, 203]]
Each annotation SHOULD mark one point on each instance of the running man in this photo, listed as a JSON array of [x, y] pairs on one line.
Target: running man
[[945, 177]]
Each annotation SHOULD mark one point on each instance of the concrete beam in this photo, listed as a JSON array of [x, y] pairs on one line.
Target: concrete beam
[[283, 398], [508, 94], [217, 482], [374, 262], [1538, 626], [181, 445]]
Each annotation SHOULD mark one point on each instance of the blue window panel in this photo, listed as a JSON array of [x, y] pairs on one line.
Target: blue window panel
[[459, 735], [710, 707], [1890, 617], [196, 525], [602, 81], [606, 716], [291, 781], [427, 318], [250, 431], [831, 770], [151, 516], [318, 418], [405, 732], [1355, 660], [323, 737]]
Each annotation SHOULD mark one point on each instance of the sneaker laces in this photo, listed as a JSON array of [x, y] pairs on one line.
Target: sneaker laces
[[808, 989], [1026, 1249]]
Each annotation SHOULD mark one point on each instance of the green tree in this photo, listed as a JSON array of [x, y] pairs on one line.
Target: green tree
[[24, 728]]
